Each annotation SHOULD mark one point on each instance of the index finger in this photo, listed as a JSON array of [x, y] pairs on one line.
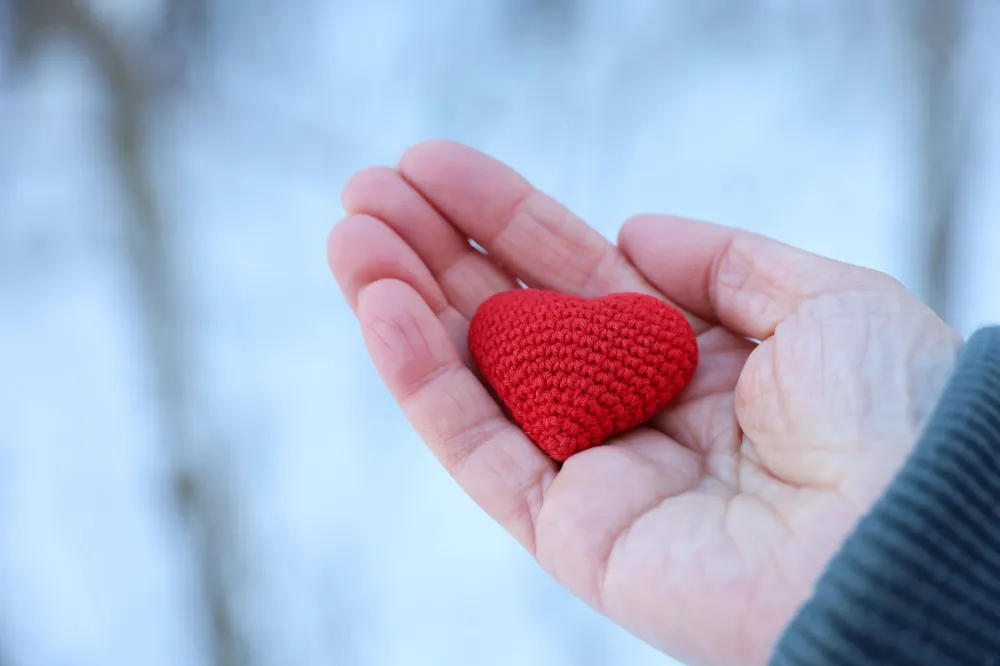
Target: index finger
[[489, 457]]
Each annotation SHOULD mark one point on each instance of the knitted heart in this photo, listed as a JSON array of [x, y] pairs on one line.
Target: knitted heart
[[574, 371]]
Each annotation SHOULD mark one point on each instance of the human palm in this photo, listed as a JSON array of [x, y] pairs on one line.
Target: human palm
[[702, 531]]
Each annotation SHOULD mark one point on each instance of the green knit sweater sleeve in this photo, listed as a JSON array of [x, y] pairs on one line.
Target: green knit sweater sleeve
[[918, 580]]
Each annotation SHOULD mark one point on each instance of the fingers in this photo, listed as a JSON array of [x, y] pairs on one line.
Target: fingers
[[538, 239], [467, 278], [463, 426], [744, 281], [362, 250]]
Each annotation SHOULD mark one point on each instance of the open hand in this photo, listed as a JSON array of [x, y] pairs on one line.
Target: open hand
[[703, 531]]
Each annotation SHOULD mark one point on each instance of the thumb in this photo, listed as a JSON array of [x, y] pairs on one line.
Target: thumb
[[741, 280]]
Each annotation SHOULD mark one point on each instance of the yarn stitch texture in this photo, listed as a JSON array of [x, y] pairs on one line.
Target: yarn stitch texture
[[573, 371]]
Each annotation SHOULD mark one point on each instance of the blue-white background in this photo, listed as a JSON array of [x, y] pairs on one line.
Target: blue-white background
[[321, 531]]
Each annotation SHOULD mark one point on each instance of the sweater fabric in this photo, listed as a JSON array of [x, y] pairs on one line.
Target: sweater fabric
[[918, 580]]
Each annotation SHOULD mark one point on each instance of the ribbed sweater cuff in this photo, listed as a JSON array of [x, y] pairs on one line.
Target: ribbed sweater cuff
[[918, 580]]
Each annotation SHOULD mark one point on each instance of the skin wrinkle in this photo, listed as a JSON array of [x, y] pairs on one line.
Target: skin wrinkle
[[536, 500], [578, 258], [443, 272], [620, 534], [712, 277], [775, 548], [538, 235], [414, 388], [508, 216], [462, 443], [686, 438], [572, 246], [456, 325], [727, 513], [458, 449], [735, 282], [730, 454], [457, 290], [744, 628], [379, 329], [774, 551], [389, 332], [938, 369], [760, 498], [781, 404], [594, 281], [781, 408], [527, 233], [524, 508], [821, 341]]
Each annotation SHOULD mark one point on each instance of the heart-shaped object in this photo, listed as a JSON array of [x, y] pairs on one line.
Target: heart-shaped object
[[573, 371]]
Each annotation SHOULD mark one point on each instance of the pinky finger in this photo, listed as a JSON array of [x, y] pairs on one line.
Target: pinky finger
[[490, 458]]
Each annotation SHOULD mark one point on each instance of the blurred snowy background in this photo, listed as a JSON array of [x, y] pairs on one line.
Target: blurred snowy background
[[198, 464]]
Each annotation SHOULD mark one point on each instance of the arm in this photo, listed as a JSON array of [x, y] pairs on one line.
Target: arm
[[918, 582]]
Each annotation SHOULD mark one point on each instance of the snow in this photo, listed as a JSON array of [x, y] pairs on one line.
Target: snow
[[360, 548]]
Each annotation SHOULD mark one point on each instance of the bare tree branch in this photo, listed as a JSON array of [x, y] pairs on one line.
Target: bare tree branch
[[943, 139], [198, 489]]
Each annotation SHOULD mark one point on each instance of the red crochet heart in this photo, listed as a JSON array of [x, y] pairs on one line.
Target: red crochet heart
[[574, 371]]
